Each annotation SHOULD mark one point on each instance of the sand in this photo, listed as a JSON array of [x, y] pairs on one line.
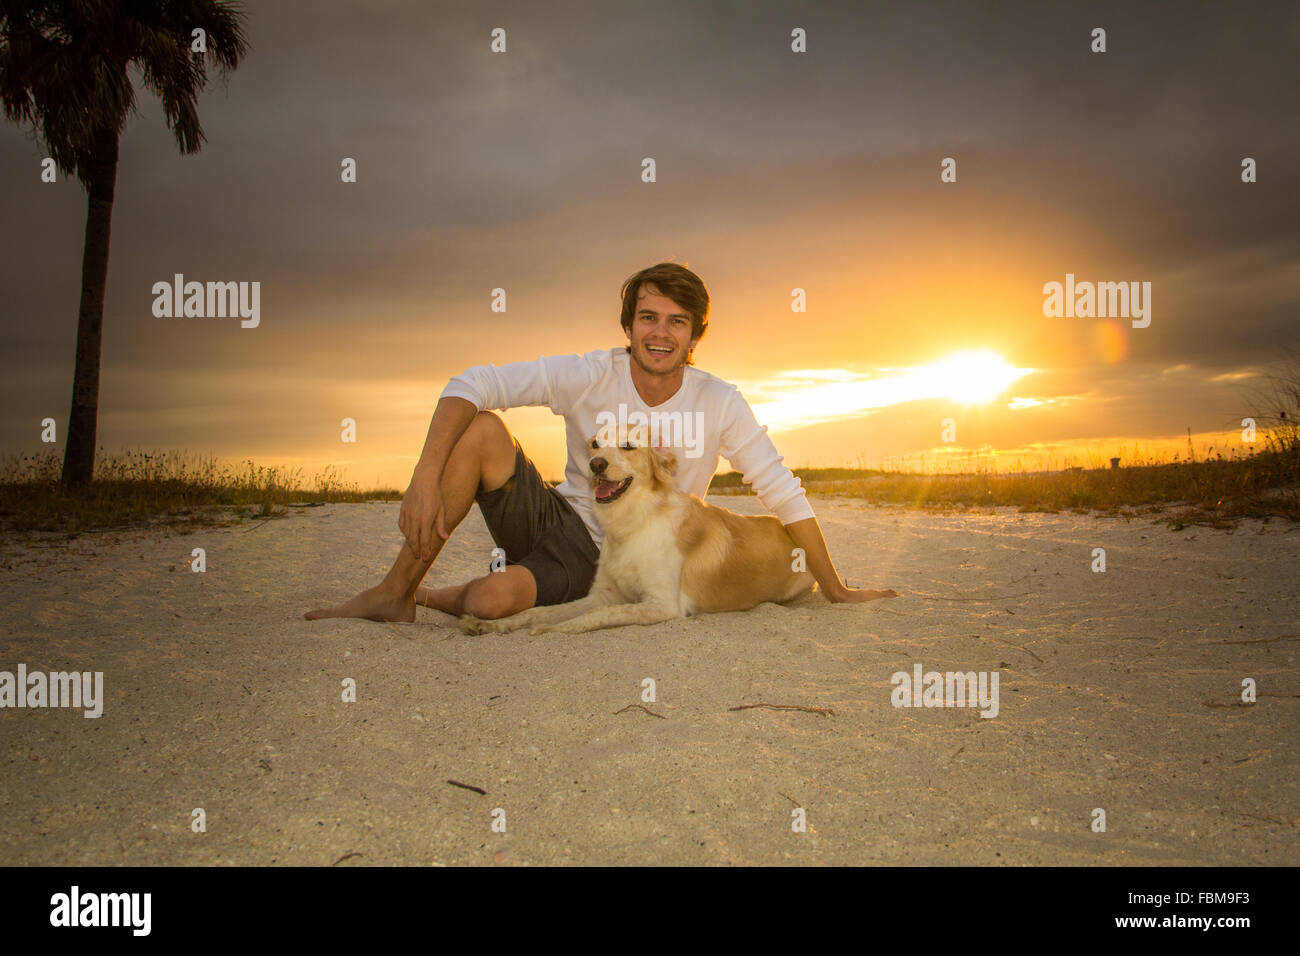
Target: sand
[[1118, 690]]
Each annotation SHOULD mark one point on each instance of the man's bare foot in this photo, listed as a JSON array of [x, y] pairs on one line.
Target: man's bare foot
[[373, 604]]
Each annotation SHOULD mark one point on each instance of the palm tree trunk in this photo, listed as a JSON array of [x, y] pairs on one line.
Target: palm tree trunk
[[79, 453]]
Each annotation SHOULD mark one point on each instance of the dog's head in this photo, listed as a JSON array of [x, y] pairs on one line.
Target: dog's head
[[621, 463]]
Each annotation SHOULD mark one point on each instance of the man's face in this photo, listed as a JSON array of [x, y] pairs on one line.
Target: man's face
[[661, 332]]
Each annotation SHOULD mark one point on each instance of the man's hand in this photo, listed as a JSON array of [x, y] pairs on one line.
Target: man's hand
[[847, 595], [422, 514], [807, 534]]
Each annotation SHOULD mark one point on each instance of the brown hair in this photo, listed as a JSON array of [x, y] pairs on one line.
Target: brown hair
[[677, 283]]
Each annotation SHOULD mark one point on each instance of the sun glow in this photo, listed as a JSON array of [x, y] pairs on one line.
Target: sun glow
[[972, 377], [806, 397]]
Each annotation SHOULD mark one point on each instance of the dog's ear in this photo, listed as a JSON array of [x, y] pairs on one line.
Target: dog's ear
[[663, 465]]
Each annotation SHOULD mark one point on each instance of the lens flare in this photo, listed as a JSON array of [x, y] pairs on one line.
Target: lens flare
[[1109, 341]]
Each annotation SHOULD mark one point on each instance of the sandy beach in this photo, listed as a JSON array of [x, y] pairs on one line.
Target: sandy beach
[[1118, 690]]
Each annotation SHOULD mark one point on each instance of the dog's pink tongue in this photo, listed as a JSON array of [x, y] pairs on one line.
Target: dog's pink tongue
[[605, 488]]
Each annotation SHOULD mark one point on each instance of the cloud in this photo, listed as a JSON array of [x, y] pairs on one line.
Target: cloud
[[479, 171]]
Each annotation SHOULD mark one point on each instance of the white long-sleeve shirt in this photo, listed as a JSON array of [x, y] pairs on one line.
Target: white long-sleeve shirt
[[705, 419]]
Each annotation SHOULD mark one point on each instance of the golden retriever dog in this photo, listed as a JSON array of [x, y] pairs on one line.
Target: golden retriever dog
[[666, 553]]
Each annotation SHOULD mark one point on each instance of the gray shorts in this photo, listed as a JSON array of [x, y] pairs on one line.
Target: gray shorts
[[538, 529]]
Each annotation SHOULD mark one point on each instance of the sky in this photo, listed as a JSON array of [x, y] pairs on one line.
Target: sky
[[775, 171]]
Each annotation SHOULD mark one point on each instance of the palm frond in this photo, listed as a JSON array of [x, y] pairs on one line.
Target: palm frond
[[65, 67]]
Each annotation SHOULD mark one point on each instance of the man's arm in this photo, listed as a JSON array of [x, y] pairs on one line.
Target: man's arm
[[749, 449], [807, 534], [421, 514], [556, 381], [450, 420]]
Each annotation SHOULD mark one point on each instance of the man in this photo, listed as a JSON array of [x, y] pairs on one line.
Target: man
[[549, 535]]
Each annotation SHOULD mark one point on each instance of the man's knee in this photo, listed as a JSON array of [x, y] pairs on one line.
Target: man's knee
[[501, 594], [485, 434], [487, 429], [491, 448]]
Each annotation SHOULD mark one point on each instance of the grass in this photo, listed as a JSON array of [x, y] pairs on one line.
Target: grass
[[1214, 491], [137, 489]]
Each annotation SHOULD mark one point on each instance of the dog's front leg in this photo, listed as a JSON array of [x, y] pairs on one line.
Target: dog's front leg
[[613, 615], [534, 617], [469, 624]]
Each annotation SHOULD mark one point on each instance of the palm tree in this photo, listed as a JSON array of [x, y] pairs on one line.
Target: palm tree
[[63, 70]]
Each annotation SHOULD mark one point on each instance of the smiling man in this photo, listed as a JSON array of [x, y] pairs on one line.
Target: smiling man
[[549, 535]]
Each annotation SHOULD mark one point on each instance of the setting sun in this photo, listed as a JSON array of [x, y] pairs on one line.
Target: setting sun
[[971, 377], [800, 398]]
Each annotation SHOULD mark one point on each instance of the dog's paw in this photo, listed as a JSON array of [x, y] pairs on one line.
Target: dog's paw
[[469, 624], [477, 625]]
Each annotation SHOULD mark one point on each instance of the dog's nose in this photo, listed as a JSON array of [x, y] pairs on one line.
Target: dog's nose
[[598, 465]]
